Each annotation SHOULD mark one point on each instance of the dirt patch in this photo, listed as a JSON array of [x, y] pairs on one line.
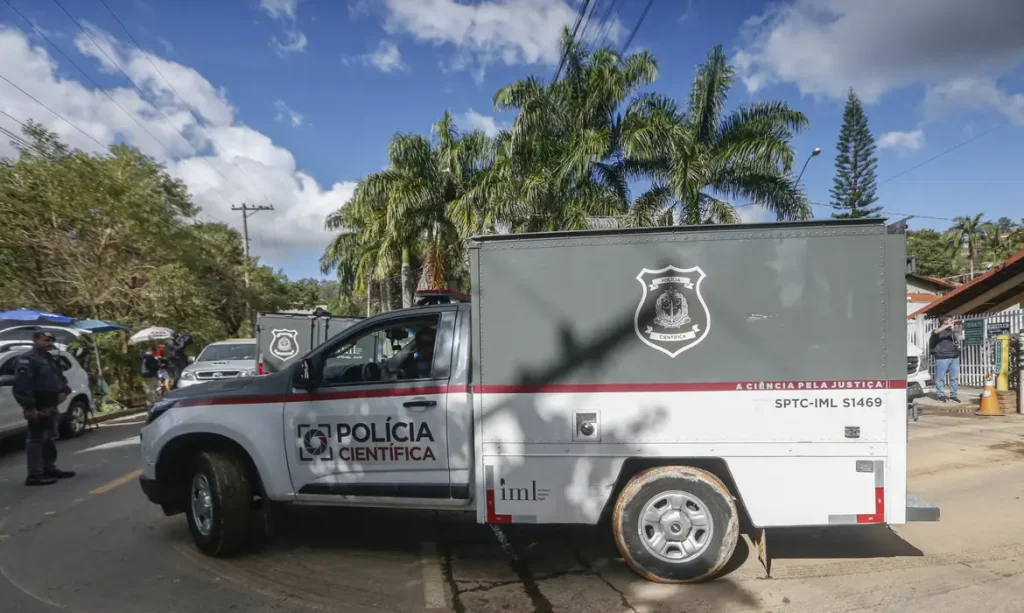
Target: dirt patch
[[1011, 446]]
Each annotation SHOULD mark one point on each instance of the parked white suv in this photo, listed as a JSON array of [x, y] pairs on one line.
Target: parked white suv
[[222, 360], [73, 410], [917, 372]]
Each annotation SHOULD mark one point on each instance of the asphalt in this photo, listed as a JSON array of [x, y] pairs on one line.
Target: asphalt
[[94, 544]]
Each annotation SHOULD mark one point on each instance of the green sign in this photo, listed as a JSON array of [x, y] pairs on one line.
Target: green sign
[[974, 331]]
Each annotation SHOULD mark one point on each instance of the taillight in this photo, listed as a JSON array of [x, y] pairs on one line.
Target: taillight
[[259, 368]]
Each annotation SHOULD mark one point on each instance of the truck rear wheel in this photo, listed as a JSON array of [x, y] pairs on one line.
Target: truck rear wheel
[[218, 503], [676, 524]]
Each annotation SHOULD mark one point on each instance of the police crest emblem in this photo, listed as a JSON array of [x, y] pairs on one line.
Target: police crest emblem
[[672, 316], [284, 344]]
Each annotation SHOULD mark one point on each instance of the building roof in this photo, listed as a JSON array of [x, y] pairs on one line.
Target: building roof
[[998, 288], [935, 281]]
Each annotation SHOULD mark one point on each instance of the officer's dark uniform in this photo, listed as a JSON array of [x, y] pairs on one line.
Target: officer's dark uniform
[[38, 383]]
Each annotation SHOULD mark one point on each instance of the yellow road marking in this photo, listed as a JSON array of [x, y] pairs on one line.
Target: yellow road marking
[[116, 483]]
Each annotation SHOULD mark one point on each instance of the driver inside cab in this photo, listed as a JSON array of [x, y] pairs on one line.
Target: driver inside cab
[[415, 360]]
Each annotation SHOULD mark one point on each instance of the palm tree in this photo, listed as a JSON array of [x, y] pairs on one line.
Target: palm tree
[[561, 162], [700, 156], [414, 207], [969, 232]]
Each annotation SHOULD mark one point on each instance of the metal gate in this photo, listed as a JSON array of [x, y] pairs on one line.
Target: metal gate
[[975, 359]]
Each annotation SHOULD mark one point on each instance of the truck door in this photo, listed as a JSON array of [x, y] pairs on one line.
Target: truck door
[[376, 423]]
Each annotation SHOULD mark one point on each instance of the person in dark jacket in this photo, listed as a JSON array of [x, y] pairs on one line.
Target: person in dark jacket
[[176, 355], [946, 351], [39, 388]]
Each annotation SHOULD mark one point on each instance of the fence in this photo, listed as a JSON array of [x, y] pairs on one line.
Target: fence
[[975, 359]]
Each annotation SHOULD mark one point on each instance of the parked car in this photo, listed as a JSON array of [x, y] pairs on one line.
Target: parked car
[[74, 408], [222, 360]]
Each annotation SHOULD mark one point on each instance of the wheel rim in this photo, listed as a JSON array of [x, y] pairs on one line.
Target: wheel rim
[[77, 419], [202, 504], [676, 526]]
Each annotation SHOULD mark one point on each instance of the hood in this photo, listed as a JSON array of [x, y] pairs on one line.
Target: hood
[[912, 350], [221, 365], [209, 388]]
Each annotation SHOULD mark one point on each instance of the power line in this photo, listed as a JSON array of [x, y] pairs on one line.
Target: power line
[[587, 21], [607, 23], [636, 27], [935, 157], [95, 84], [572, 38], [59, 116], [188, 107], [138, 89]]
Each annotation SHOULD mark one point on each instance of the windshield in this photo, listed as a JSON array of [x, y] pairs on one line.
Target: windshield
[[236, 351]]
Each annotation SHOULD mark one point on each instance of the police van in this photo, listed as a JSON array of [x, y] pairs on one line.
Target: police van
[[679, 382]]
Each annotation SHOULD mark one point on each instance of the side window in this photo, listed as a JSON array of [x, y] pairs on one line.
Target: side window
[[7, 368], [399, 350]]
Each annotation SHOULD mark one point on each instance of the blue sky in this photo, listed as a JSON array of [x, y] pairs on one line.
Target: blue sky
[[290, 102]]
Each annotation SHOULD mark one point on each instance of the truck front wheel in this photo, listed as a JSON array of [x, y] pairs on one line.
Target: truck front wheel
[[676, 524], [218, 503]]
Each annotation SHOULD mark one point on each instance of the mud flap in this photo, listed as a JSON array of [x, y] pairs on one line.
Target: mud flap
[[760, 539]]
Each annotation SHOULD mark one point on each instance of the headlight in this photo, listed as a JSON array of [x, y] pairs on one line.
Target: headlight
[[158, 409], [188, 376]]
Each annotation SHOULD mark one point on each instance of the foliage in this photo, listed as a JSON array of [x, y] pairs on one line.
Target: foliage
[[114, 237], [854, 185], [573, 155], [929, 247]]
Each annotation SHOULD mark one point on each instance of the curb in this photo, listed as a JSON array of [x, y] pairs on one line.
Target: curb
[[99, 418]]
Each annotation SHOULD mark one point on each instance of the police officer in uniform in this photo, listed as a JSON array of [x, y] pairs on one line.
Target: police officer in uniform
[[39, 387]]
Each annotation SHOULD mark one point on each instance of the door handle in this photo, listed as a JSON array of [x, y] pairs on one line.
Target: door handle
[[420, 404]]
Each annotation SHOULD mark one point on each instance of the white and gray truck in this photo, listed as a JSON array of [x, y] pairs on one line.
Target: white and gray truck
[[676, 382]]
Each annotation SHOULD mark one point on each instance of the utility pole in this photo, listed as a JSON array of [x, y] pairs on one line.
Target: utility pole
[[247, 212]]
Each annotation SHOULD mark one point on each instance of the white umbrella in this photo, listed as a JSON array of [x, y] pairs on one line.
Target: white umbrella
[[153, 333]]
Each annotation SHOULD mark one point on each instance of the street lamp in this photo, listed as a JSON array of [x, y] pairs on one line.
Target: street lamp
[[815, 153]]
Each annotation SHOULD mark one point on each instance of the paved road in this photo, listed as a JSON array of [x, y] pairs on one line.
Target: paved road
[[94, 545]]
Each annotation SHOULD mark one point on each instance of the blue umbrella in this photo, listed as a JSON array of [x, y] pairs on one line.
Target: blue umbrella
[[97, 326], [33, 316]]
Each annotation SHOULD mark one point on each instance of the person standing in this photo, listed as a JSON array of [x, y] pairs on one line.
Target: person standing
[[176, 355], [150, 373], [39, 388], [946, 351]]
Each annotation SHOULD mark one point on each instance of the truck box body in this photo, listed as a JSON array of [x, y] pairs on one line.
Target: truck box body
[[676, 380], [282, 338], [777, 349]]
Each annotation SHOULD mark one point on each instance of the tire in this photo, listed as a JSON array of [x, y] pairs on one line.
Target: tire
[[680, 495], [221, 526], [73, 423]]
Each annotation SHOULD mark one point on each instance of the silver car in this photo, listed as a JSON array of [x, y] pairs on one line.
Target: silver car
[[73, 410], [222, 360]]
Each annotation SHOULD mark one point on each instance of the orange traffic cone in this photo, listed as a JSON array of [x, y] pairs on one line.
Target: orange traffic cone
[[989, 400]]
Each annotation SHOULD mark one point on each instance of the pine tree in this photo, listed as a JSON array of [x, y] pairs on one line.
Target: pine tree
[[853, 189]]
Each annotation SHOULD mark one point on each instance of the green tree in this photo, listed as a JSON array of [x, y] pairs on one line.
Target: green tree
[[930, 247], [965, 238], [854, 185]]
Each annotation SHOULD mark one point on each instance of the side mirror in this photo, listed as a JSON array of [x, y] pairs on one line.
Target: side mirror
[[306, 376], [191, 359], [6, 380]]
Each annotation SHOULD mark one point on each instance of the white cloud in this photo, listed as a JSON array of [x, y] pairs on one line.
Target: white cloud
[[753, 213], [905, 141], [387, 58], [979, 93], [284, 112], [285, 12], [826, 46], [471, 120], [222, 161], [510, 31]]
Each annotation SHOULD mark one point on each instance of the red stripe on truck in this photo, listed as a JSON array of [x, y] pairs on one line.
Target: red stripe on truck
[[713, 386], [554, 388], [879, 515], [492, 516]]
